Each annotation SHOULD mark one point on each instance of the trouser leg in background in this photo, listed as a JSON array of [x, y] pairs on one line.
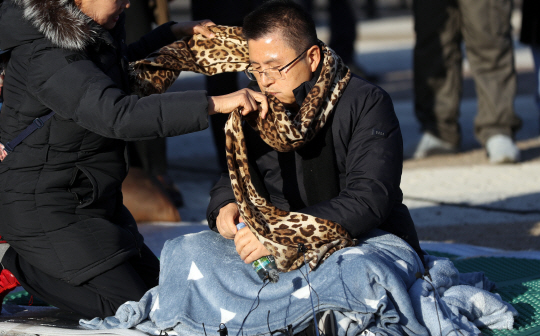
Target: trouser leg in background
[[139, 19], [218, 85], [230, 13], [100, 296], [307, 5], [342, 29], [149, 155], [437, 68], [487, 31], [536, 57]]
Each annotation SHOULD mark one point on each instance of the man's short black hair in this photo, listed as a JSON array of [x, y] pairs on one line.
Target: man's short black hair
[[285, 17]]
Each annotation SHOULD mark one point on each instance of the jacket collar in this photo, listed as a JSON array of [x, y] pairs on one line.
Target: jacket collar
[[301, 92], [61, 22]]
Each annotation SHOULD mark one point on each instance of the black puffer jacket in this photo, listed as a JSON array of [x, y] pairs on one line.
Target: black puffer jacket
[[60, 190]]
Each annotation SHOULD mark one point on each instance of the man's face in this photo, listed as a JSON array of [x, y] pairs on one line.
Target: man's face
[[271, 51]]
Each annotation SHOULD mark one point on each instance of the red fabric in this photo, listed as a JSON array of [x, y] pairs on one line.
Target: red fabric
[[8, 282]]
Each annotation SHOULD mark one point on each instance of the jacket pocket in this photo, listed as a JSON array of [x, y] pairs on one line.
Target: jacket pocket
[[83, 187]]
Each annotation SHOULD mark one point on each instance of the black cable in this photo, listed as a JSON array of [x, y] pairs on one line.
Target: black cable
[[435, 295], [434, 298], [268, 322], [223, 331], [436, 308], [318, 300], [287, 331], [266, 281], [302, 248]]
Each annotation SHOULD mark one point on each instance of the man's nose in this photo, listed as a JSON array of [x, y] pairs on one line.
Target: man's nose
[[127, 4], [265, 81]]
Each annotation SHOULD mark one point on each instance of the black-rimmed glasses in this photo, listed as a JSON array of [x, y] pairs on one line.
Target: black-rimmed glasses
[[272, 73]]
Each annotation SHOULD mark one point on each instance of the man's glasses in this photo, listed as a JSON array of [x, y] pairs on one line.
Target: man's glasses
[[272, 73]]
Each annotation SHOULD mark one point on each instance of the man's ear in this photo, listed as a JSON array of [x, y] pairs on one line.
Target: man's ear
[[314, 57]]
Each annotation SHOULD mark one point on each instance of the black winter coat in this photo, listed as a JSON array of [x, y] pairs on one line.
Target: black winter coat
[[530, 24], [350, 173], [60, 190]]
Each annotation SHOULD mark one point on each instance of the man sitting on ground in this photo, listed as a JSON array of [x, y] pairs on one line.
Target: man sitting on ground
[[348, 173]]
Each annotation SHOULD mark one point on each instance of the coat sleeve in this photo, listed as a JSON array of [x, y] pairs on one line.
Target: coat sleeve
[[221, 195], [157, 38], [372, 146], [81, 92]]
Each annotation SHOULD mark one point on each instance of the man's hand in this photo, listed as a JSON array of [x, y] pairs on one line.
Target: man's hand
[[248, 246], [248, 100], [189, 28], [227, 219]]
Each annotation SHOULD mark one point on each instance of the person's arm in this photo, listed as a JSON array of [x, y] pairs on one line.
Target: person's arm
[[82, 92], [374, 162], [220, 195], [223, 215]]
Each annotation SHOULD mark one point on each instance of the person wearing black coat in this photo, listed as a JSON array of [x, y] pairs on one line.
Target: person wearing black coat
[[530, 34], [73, 243], [350, 173]]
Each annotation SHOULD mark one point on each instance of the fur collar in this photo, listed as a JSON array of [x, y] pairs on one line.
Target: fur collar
[[61, 21]]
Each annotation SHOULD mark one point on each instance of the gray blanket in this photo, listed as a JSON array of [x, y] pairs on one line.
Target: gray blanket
[[372, 286]]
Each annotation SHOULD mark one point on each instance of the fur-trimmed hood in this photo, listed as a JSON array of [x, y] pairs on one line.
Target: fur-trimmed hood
[[60, 21]]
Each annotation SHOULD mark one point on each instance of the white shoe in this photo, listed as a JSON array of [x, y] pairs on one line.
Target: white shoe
[[431, 145], [502, 149]]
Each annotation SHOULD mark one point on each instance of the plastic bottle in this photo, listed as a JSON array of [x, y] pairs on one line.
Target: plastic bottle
[[264, 266]]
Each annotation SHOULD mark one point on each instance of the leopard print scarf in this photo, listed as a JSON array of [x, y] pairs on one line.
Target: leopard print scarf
[[226, 52], [279, 231]]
